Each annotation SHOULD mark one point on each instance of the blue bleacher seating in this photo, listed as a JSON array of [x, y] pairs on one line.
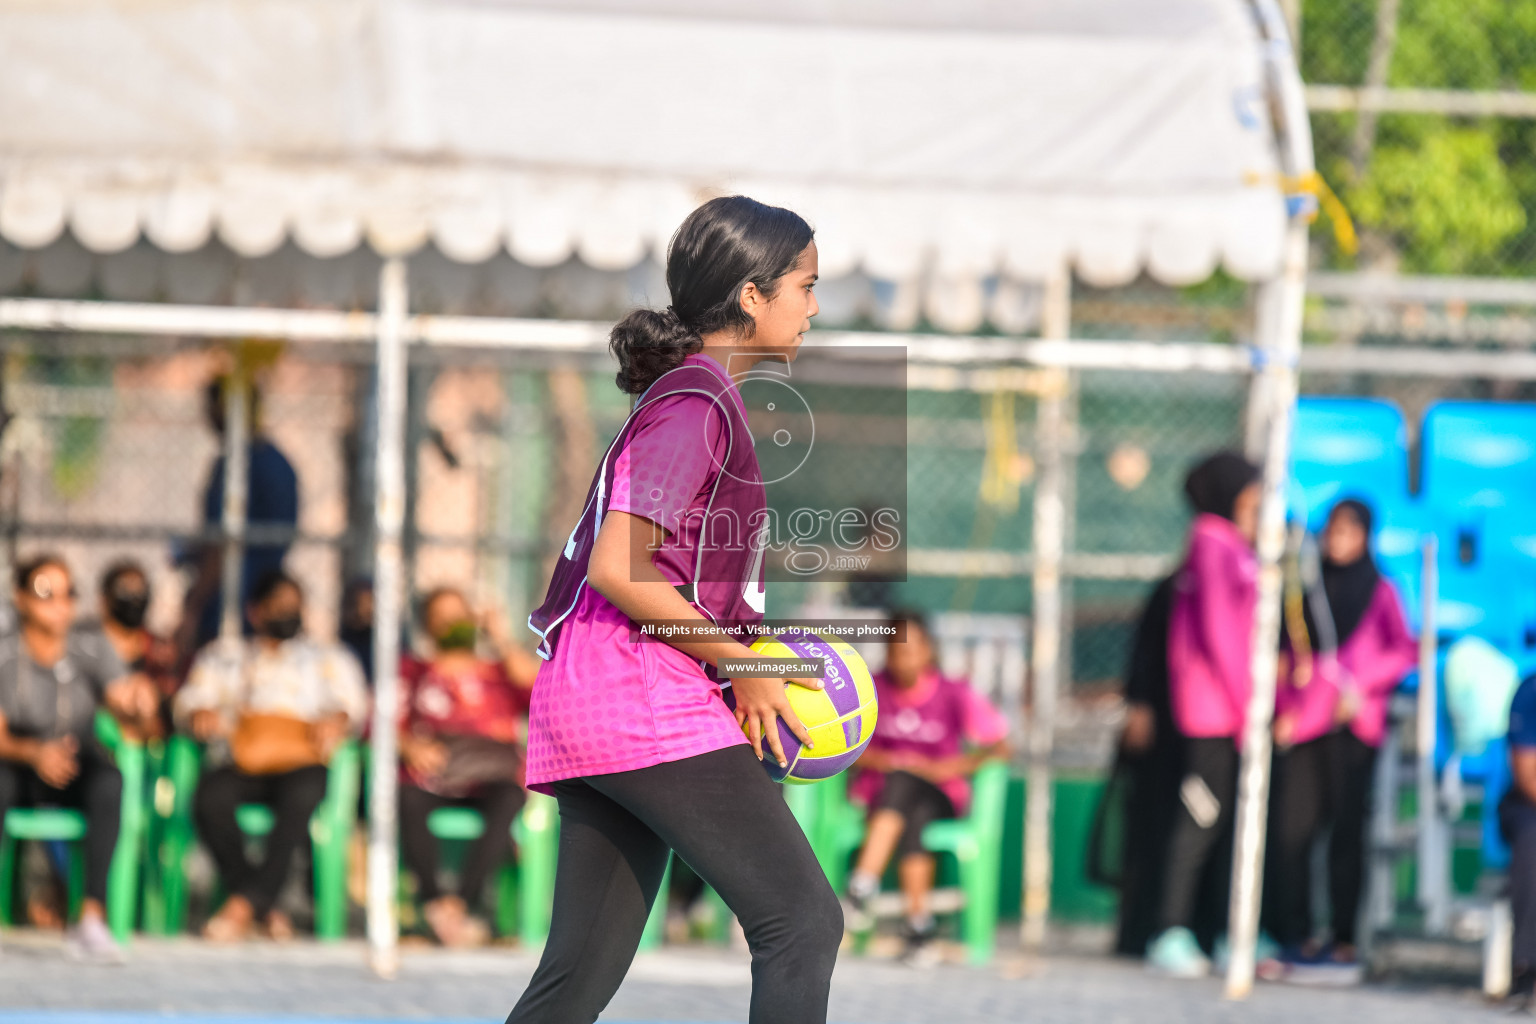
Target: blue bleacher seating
[[1479, 456], [1488, 579], [1347, 447]]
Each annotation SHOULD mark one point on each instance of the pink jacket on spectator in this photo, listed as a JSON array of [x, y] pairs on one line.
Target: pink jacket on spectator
[[935, 718], [1210, 631], [1372, 661]]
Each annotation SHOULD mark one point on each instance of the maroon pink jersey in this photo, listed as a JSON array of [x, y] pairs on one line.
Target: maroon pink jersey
[[935, 717], [604, 700]]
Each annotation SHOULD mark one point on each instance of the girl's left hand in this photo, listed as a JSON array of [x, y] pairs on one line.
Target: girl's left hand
[[760, 702], [1347, 708], [1284, 730]]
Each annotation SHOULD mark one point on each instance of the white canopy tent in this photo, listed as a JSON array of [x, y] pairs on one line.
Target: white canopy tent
[[972, 139], [951, 148]]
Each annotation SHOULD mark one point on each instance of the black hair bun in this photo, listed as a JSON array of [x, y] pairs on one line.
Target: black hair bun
[[647, 343]]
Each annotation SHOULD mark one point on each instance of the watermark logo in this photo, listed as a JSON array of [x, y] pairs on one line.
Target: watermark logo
[[828, 429]]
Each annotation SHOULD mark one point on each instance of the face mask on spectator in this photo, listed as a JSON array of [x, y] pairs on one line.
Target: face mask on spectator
[[128, 609], [283, 627], [458, 636]]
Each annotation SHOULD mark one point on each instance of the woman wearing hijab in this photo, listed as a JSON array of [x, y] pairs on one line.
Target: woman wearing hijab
[[1143, 791], [1209, 678], [1330, 719]]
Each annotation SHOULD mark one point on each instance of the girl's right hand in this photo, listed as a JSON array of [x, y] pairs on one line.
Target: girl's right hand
[[760, 702]]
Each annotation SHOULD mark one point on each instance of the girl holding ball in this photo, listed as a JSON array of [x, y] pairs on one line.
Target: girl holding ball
[[630, 733]]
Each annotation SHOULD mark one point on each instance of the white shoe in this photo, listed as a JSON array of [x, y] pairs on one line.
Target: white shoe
[[1176, 954], [91, 940]]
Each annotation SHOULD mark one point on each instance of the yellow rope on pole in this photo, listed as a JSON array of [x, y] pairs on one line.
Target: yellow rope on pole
[[1312, 184], [1293, 607], [999, 485], [998, 491]]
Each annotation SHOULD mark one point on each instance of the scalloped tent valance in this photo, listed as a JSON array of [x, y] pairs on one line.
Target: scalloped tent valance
[[968, 143]]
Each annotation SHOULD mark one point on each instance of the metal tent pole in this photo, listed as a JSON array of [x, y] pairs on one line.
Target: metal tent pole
[[1280, 316], [1433, 837], [1049, 548], [237, 456], [389, 513]]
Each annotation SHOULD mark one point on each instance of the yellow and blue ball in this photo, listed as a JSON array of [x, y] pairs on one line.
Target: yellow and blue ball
[[840, 717]]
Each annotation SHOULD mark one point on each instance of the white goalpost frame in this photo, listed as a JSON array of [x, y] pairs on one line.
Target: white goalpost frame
[[389, 605], [1049, 534], [1278, 336]]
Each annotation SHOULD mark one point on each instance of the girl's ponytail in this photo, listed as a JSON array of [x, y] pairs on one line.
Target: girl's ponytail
[[647, 343]]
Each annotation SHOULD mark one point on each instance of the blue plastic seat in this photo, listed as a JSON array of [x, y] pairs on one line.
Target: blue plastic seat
[[1488, 579], [1347, 447], [1479, 456], [1399, 548]]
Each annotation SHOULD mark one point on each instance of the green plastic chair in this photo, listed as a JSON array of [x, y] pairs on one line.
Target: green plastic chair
[[64, 825], [839, 829], [976, 842], [525, 892], [656, 921], [170, 835], [329, 829]]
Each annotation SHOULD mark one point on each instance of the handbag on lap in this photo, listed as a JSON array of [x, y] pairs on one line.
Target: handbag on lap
[[264, 743], [473, 761]]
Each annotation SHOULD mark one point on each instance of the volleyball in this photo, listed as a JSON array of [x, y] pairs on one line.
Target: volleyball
[[840, 718]]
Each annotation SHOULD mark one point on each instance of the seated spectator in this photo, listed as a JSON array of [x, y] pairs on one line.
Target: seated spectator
[[52, 682], [272, 710], [125, 599], [932, 734], [356, 628], [1517, 821], [459, 746]]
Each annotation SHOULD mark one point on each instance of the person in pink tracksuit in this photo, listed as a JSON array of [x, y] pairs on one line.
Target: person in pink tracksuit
[[1209, 678], [1330, 718]]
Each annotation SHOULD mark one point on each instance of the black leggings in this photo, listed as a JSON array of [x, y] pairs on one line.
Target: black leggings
[[498, 804], [1298, 813], [1326, 782], [727, 819], [1517, 820], [919, 802], [293, 797], [1200, 846], [97, 791], [1354, 777]]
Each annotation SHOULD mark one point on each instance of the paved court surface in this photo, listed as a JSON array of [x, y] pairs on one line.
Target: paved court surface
[[302, 983]]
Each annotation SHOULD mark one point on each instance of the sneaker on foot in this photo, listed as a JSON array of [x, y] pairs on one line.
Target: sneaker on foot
[[921, 949], [91, 940], [857, 916], [1176, 954], [1522, 987], [1329, 965], [1268, 957]]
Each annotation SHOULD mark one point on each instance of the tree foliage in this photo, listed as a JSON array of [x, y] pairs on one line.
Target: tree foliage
[[1449, 195]]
